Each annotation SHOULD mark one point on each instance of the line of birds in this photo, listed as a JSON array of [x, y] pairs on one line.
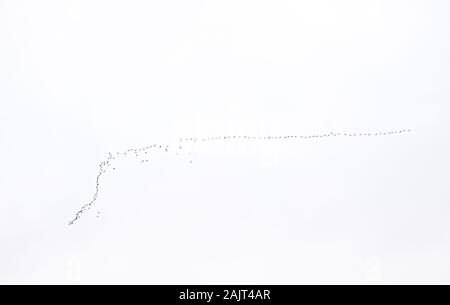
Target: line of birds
[[143, 153]]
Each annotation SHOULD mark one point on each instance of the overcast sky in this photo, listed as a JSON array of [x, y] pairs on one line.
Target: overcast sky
[[79, 79]]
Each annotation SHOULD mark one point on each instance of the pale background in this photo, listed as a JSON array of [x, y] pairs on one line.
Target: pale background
[[79, 79]]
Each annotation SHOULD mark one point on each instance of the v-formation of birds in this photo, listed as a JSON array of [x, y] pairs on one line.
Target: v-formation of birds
[[142, 154]]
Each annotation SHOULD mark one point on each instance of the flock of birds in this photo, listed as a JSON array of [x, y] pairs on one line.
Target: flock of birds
[[143, 153]]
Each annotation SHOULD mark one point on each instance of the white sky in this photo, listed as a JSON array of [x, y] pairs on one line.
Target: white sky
[[79, 79]]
